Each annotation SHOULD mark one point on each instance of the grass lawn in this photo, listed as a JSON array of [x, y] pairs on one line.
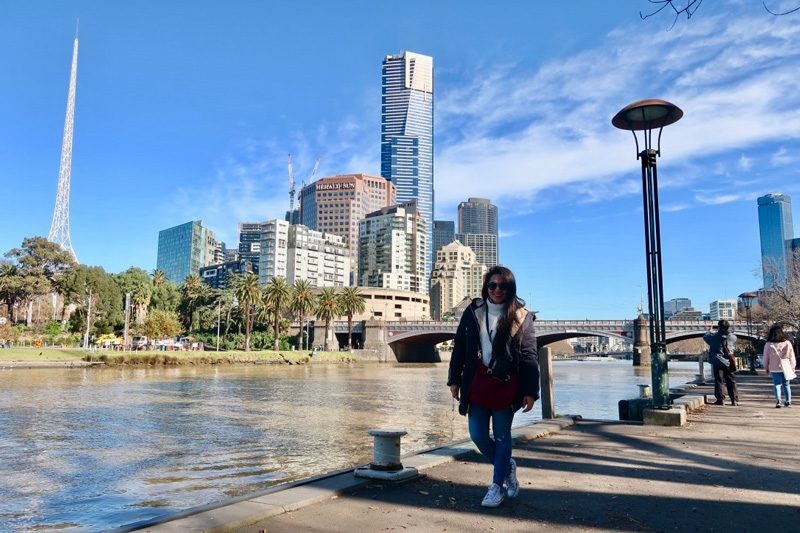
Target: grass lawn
[[172, 357]]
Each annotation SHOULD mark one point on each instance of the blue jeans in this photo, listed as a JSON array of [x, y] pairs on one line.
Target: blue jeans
[[497, 448], [780, 382]]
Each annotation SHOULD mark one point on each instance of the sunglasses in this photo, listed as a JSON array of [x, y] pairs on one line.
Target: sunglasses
[[494, 286]]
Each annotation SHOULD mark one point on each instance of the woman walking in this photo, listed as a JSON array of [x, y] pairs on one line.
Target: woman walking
[[494, 371], [778, 358]]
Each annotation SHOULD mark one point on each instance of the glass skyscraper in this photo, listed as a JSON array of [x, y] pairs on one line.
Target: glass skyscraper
[[776, 231], [407, 134], [182, 250]]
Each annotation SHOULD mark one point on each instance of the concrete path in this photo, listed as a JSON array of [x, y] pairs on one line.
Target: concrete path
[[729, 469]]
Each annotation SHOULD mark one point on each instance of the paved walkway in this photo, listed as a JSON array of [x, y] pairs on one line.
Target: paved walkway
[[729, 469]]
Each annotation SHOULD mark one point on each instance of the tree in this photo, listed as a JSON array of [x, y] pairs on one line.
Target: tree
[[276, 296], [302, 304], [10, 287], [327, 310], [350, 303], [689, 7], [194, 293], [248, 293], [781, 302], [87, 287], [161, 323], [158, 277], [41, 266], [136, 282]]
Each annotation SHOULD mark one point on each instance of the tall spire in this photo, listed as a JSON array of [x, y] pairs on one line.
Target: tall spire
[[59, 228]]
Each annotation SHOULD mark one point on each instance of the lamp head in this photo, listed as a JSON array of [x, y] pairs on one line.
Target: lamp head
[[647, 115], [747, 299]]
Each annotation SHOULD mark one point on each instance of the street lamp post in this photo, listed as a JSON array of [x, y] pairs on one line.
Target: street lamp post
[[747, 301], [645, 116]]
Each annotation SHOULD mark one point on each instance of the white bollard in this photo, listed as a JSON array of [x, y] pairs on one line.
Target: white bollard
[[644, 391], [386, 463]]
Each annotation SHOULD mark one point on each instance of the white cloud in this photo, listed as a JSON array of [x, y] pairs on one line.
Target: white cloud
[[512, 134]]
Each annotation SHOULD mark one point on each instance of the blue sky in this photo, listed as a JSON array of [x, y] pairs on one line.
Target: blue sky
[[187, 110]]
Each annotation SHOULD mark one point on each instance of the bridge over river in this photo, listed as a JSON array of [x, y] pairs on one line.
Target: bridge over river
[[415, 341]]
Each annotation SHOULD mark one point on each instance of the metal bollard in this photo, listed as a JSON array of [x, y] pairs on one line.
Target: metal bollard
[[386, 449], [644, 391], [386, 463]]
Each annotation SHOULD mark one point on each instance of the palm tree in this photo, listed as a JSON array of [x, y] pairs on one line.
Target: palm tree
[[350, 303], [158, 277], [327, 310], [248, 293], [276, 295], [302, 304], [193, 293]]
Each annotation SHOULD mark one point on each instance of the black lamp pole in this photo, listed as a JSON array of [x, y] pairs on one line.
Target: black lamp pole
[[747, 301], [645, 116]]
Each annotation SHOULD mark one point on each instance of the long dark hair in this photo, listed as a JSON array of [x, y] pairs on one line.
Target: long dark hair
[[776, 334], [512, 303]]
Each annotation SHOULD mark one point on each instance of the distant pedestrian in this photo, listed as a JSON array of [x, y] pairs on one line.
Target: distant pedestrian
[[720, 350], [494, 371], [779, 360]]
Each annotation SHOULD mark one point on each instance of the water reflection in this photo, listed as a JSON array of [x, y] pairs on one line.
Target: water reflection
[[98, 448]]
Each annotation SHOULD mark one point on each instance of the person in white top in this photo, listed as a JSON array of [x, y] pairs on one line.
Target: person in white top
[[494, 371], [778, 357]]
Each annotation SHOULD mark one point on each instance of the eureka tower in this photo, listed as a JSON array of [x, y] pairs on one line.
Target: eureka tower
[[407, 134]]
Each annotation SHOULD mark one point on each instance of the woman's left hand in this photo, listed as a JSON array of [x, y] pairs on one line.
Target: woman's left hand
[[527, 403]]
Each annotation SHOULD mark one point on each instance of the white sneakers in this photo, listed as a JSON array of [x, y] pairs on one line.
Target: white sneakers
[[511, 483], [494, 496]]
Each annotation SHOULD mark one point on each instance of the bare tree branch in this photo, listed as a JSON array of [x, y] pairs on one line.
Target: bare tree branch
[[771, 12], [689, 9]]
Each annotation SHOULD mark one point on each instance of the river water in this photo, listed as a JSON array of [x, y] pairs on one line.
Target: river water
[[92, 449]]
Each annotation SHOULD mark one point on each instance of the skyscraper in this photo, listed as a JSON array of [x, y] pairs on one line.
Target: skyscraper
[[392, 244], [477, 228], [444, 232], [776, 231], [407, 133], [183, 249]]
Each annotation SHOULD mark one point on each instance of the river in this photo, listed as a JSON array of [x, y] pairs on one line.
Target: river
[[93, 449]]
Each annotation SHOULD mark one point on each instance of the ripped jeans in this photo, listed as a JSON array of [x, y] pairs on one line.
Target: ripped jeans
[[497, 447]]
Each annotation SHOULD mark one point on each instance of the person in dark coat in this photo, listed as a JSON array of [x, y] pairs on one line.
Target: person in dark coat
[[494, 371], [720, 364]]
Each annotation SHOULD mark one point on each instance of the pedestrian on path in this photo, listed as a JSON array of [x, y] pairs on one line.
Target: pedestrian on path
[[720, 347], [494, 371], [779, 360]]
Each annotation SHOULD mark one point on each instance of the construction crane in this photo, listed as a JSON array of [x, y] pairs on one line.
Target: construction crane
[[292, 190], [291, 185]]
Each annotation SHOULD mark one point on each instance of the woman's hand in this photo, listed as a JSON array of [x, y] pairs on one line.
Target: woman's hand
[[527, 403], [454, 391]]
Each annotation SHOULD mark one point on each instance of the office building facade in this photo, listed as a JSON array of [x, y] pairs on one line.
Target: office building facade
[[218, 275], [407, 133], [477, 228], [392, 249], [676, 305], [777, 233], [294, 251], [722, 309], [444, 232], [184, 249], [456, 275], [336, 204], [322, 259], [250, 236], [273, 250]]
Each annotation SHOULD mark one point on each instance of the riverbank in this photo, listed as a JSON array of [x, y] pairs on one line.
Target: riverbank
[[730, 468], [78, 357]]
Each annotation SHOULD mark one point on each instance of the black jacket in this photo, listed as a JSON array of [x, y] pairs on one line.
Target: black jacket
[[467, 348]]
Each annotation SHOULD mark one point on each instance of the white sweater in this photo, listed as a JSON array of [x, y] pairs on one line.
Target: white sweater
[[493, 314]]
